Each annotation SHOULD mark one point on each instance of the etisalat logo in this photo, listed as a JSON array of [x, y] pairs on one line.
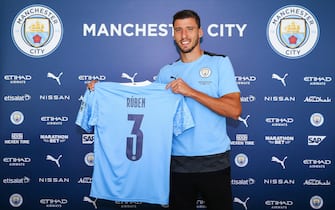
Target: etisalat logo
[[37, 31], [293, 31]]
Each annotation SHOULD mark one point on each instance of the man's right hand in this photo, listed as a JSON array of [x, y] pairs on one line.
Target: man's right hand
[[91, 84]]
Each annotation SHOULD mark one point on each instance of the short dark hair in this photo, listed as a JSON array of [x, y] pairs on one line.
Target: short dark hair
[[187, 14]]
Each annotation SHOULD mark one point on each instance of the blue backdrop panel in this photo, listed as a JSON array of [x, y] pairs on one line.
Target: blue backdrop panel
[[282, 145]]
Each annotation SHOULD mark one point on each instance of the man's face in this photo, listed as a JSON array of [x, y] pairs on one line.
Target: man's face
[[187, 34]]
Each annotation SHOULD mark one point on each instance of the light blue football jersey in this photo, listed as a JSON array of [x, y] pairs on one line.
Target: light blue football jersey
[[133, 131], [214, 76]]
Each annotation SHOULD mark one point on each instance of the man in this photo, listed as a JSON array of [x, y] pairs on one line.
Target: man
[[200, 156]]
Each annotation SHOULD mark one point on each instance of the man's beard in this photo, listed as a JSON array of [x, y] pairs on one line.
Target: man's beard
[[190, 49]]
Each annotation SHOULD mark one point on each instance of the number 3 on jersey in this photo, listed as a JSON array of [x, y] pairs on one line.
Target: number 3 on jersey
[[134, 154]]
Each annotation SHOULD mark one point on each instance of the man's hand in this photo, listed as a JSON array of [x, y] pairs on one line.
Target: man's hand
[[91, 84], [180, 87]]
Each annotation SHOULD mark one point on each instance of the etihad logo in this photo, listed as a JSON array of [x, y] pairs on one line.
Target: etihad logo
[[17, 79], [53, 202], [17, 98], [279, 121], [37, 31], [318, 80], [279, 98], [279, 204], [88, 78], [248, 99], [56, 78], [17, 138], [317, 164], [315, 140], [242, 139], [281, 79], [54, 138], [245, 80], [279, 140], [17, 161], [243, 203], [54, 120], [317, 99], [317, 182]]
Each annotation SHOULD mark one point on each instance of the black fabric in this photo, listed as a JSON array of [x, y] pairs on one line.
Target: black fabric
[[213, 187]]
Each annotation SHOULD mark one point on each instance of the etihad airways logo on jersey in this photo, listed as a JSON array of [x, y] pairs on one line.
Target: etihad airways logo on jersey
[[157, 30]]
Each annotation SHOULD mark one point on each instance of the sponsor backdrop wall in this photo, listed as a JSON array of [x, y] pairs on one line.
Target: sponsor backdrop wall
[[282, 51]]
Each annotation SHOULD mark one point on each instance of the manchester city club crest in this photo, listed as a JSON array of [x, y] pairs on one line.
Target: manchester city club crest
[[293, 31], [37, 31]]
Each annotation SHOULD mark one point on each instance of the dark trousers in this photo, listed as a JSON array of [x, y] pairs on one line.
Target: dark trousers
[[213, 187]]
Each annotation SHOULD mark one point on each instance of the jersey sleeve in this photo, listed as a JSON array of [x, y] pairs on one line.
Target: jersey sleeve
[[183, 119], [228, 82], [85, 112]]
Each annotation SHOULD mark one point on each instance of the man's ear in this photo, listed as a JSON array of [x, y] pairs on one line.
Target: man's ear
[[201, 33]]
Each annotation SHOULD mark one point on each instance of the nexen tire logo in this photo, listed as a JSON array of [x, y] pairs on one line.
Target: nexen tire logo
[[37, 31]]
